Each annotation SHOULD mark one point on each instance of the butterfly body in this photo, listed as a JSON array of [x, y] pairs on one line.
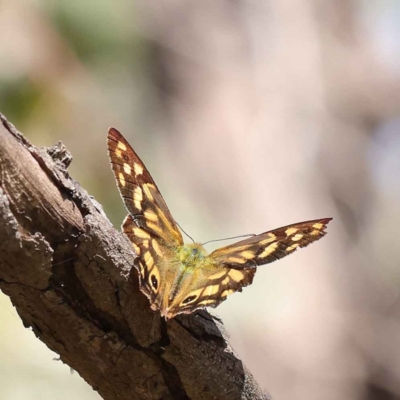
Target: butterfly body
[[192, 255], [185, 274], [181, 278]]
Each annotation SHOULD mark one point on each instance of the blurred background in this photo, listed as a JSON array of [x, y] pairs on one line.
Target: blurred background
[[250, 115]]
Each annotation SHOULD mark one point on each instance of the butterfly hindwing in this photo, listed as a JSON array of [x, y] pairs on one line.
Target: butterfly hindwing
[[139, 192], [212, 286], [150, 253]]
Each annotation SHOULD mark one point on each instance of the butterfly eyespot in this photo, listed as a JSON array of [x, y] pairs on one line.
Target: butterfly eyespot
[[189, 299], [154, 282]]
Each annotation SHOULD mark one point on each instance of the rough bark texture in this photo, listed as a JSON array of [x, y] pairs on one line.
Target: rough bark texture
[[69, 274]]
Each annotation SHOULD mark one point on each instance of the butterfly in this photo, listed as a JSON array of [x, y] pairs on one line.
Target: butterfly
[[181, 278]]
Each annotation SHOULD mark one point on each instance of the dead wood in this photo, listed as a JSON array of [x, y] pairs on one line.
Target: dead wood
[[69, 274]]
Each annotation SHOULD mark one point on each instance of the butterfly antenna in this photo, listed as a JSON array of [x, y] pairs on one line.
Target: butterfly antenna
[[186, 233], [229, 238]]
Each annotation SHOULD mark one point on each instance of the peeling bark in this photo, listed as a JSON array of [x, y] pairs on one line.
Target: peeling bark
[[69, 274]]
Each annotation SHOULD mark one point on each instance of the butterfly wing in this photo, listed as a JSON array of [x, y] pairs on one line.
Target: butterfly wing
[[149, 226], [239, 260], [231, 268], [209, 287], [270, 246], [151, 262], [139, 192]]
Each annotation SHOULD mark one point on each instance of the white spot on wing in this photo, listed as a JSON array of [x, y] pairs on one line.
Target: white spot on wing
[[291, 231], [127, 169], [121, 146], [121, 179], [297, 237], [138, 169]]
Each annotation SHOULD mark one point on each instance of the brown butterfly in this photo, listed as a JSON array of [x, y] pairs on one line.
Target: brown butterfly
[[181, 278]]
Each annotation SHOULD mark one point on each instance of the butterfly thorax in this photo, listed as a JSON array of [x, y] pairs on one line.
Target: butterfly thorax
[[192, 256], [189, 260]]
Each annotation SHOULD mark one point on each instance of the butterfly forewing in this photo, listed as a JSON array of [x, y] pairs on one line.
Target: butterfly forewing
[[139, 192], [270, 246]]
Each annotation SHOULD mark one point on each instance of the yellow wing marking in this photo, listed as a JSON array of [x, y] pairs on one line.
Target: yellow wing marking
[[154, 216], [290, 231], [236, 260], [269, 250], [127, 169], [271, 238], [140, 233], [236, 275], [318, 225], [297, 237], [156, 248], [138, 197], [149, 260], [154, 227], [211, 290], [247, 254], [217, 275], [121, 179], [206, 302], [138, 169], [146, 188], [151, 216], [121, 146]]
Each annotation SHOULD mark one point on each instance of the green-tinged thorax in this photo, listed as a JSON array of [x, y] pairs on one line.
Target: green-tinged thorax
[[192, 256]]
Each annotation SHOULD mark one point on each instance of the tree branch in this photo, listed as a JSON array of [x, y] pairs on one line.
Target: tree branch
[[69, 274]]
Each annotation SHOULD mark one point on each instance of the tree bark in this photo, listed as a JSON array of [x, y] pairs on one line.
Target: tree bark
[[71, 278]]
